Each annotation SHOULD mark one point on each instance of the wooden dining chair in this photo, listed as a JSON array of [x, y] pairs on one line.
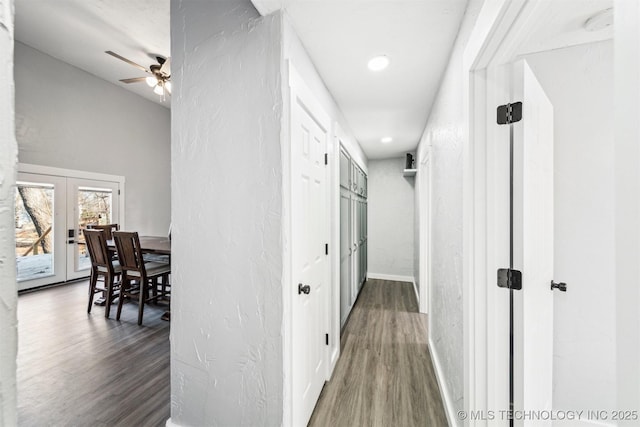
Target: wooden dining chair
[[103, 266], [136, 271], [107, 228]]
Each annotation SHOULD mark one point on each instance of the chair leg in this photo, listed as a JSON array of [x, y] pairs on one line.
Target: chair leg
[[92, 288], [109, 282], [124, 284], [143, 292]]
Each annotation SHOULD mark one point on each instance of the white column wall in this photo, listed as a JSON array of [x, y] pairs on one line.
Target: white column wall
[[8, 164], [627, 202], [227, 202]]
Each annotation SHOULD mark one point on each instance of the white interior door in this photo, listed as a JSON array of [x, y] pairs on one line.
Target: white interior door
[[533, 244], [40, 225], [309, 135], [88, 202]]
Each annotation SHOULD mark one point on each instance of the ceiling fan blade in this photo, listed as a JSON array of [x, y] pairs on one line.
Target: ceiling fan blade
[[122, 58], [134, 80], [166, 67]]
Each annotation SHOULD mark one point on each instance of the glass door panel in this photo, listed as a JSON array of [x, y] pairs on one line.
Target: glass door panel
[[39, 230], [89, 203]]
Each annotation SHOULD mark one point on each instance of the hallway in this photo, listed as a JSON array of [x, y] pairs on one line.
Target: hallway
[[384, 375]]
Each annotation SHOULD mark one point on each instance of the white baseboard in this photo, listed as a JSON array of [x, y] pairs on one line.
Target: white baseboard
[[393, 277], [170, 423], [415, 289], [444, 390]]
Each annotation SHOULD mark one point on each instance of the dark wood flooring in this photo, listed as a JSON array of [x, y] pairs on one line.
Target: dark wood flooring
[[76, 369], [384, 376], [79, 369]]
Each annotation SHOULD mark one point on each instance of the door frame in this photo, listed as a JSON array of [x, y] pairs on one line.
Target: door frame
[[423, 178], [297, 87], [500, 28]]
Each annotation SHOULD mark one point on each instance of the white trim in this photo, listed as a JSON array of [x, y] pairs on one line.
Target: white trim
[[170, 423], [334, 247], [392, 277], [442, 384], [415, 289], [72, 173], [424, 177]]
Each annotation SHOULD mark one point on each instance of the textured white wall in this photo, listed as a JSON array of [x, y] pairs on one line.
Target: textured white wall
[[579, 83], [68, 118], [444, 133], [226, 325], [8, 161], [391, 226]]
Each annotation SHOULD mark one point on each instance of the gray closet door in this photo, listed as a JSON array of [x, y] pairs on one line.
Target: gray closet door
[[345, 255]]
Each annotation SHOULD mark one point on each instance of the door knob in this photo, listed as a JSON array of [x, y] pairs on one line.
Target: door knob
[[303, 289], [560, 286]]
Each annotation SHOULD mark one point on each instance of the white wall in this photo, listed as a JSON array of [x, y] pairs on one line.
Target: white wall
[[296, 53], [227, 180], [391, 226], [70, 119], [579, 82], [627, 202], [443, 136], [8, 284]]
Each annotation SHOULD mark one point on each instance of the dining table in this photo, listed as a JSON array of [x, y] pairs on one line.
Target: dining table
[[159, 245]]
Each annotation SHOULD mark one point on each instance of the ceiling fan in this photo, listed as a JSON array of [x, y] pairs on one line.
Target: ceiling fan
[[160, 78]]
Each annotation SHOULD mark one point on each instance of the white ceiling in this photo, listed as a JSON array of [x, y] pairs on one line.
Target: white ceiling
[[340, 36], [561, 24], [80, 31]]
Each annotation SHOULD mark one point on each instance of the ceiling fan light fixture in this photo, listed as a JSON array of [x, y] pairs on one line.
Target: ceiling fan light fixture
[[151, 81], [167, 86], [158, 90]]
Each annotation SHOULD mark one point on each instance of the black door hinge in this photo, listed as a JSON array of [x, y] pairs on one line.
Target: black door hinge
[[509, 278], [326, 158], [509, 113], [326, 249], [326, 339]]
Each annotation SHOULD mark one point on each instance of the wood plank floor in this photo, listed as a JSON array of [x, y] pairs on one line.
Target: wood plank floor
[[384, 376], [76, 369]]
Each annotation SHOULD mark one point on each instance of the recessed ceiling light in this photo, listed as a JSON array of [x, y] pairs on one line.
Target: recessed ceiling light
[[386, 140], [378, 63]]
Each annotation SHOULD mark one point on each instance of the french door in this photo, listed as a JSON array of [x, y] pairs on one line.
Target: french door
[[88, 202], [50, 213]]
